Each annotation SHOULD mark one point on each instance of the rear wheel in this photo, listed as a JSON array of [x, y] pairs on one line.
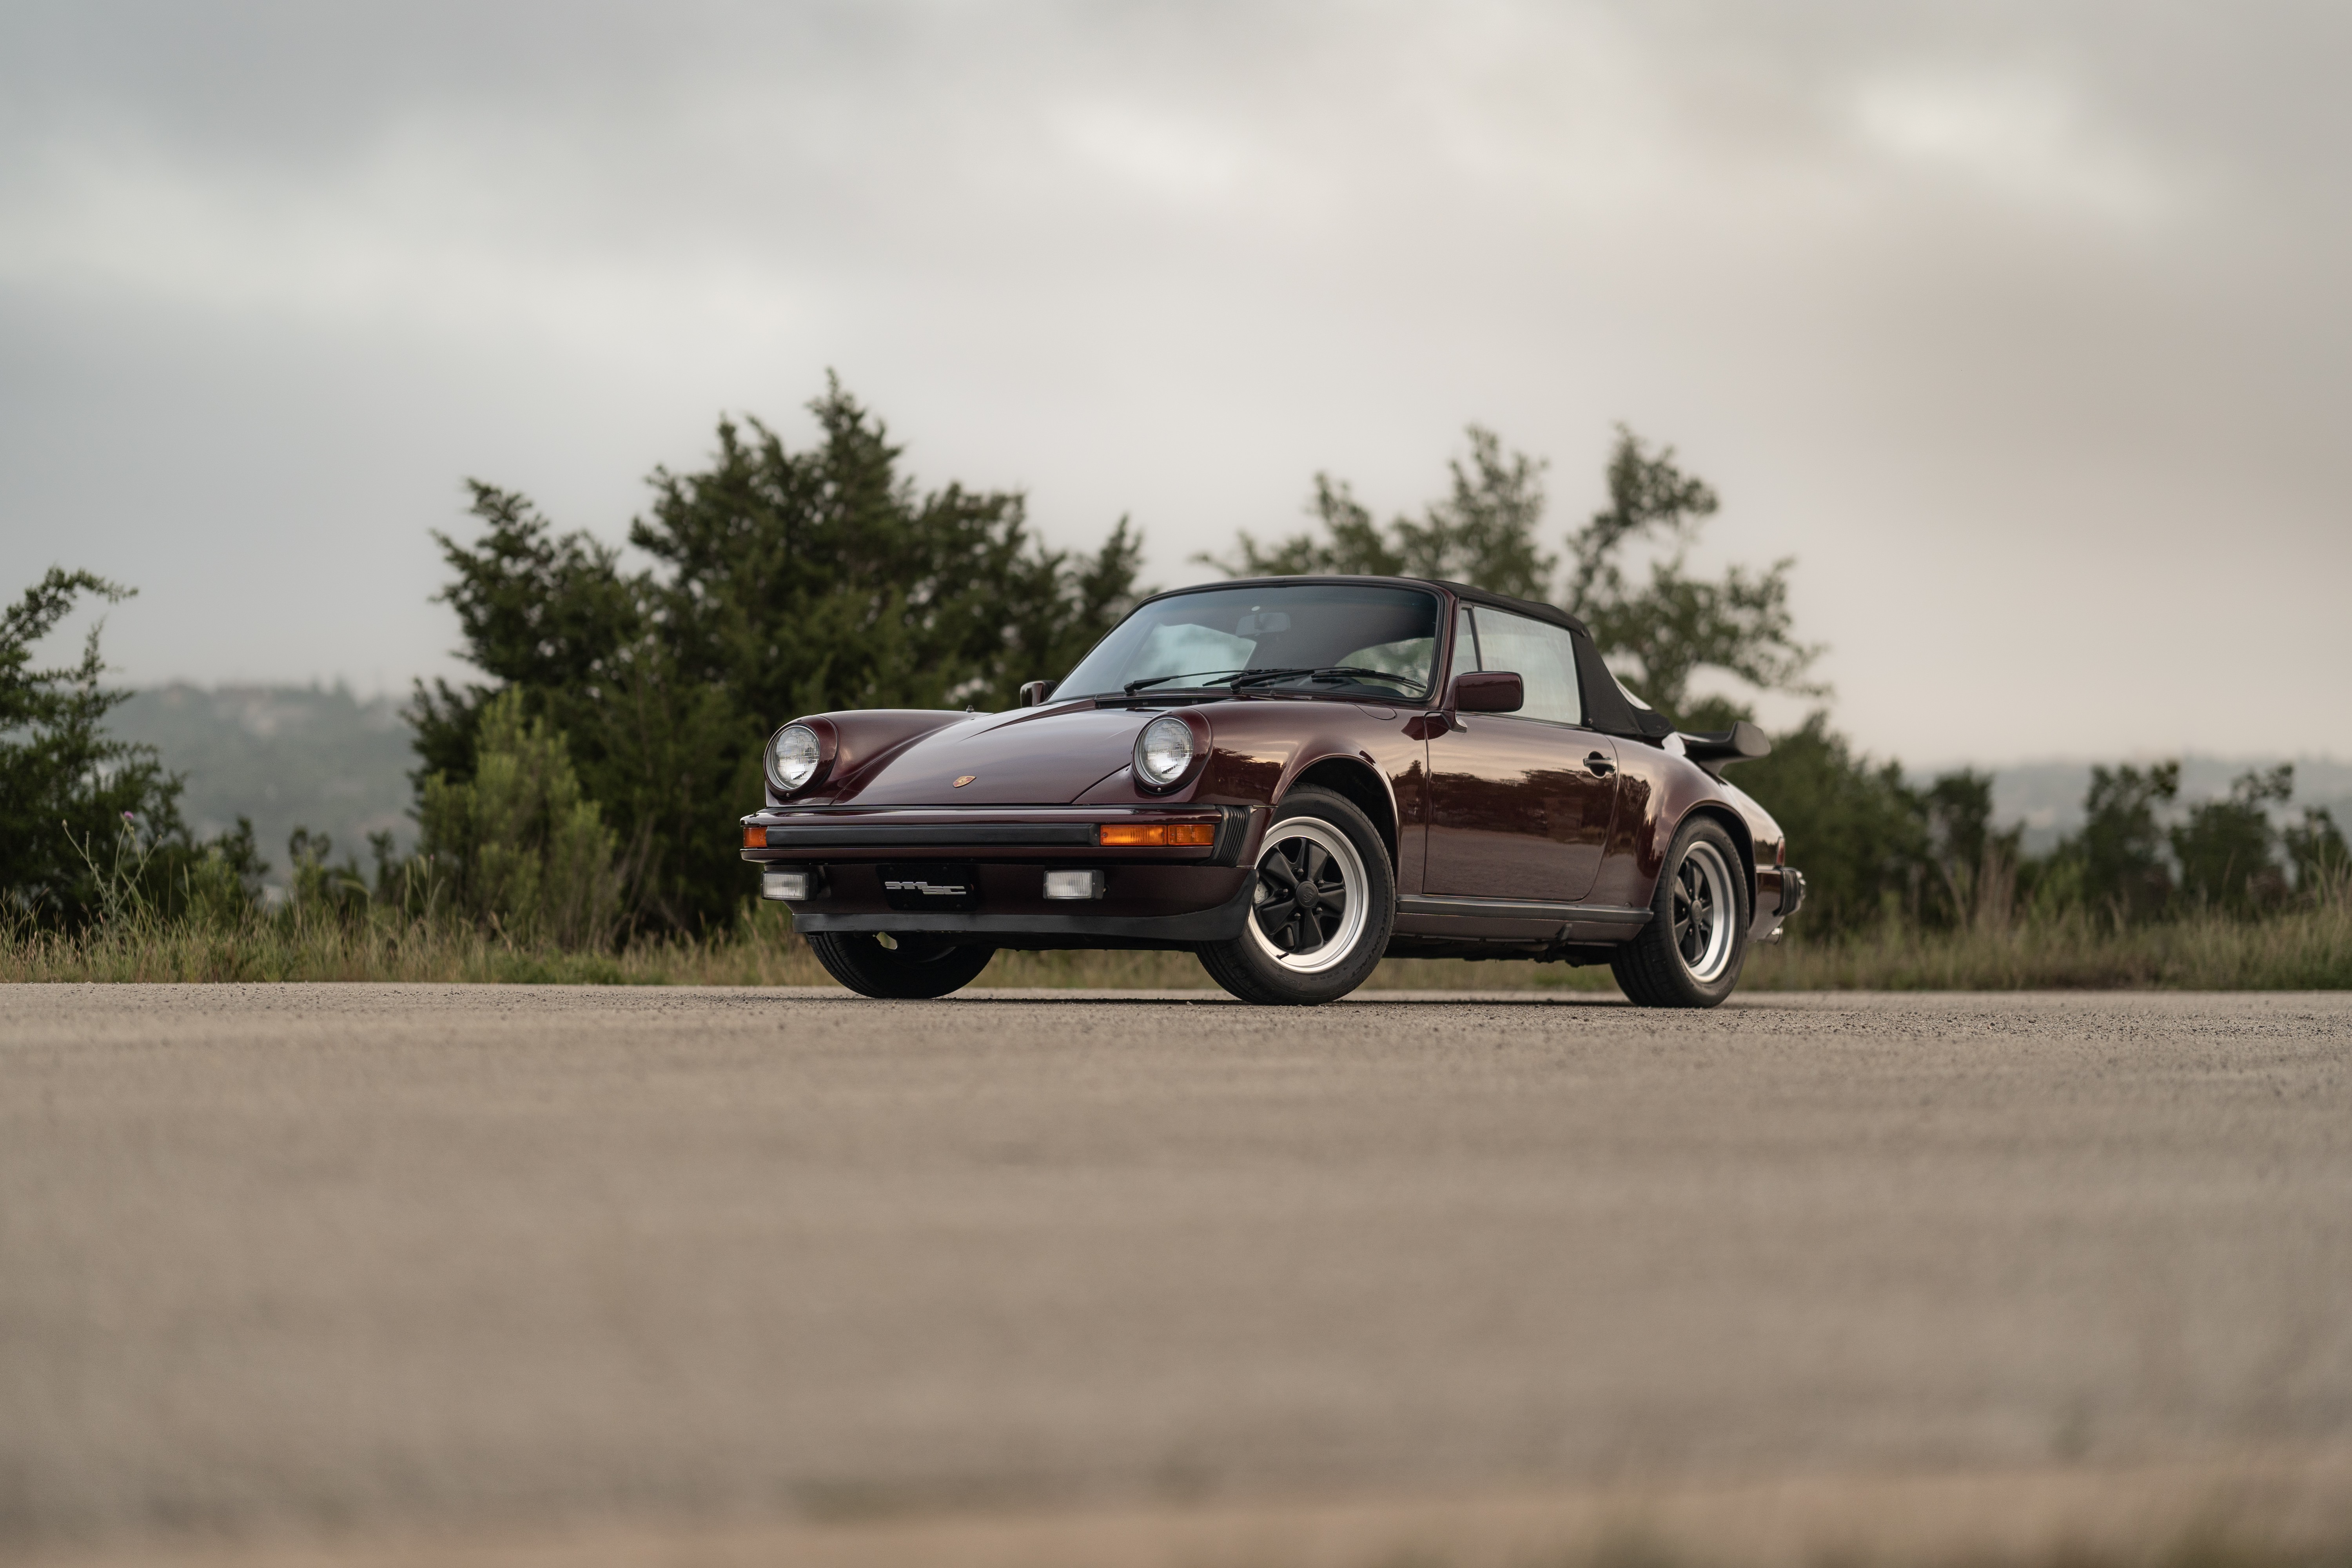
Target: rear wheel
[[1320, 911], [1690, 953], [915, 966]]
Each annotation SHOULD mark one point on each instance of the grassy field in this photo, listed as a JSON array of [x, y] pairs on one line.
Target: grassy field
[[2307, 948]]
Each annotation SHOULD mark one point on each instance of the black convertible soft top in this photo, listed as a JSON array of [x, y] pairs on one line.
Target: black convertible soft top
[[1606, 706]]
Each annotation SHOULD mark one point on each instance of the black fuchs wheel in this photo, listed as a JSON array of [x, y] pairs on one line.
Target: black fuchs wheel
[[917, 966], [1320, 911], [1690, 953]]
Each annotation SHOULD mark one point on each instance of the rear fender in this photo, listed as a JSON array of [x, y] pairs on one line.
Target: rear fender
[[1731, 822], [1657, 794]]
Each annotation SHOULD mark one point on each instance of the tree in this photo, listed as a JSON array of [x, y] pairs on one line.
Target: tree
[[1675, 624], [2315, 849], [1671, 625], [79, 810], [1483, 533], [2228, 849], [2118, 858], [781, 582], [549, 615], [1857, 830], [1975, 882]]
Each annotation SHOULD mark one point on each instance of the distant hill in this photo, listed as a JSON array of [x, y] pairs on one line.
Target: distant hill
[[286, 757]]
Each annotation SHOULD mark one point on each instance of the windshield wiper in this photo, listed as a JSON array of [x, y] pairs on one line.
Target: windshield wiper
[[1272, 672], [1328, 672], [1258, 676], [1234, 675]]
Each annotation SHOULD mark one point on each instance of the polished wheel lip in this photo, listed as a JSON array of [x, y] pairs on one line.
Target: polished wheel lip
[[1703, 909], [1341, 942]]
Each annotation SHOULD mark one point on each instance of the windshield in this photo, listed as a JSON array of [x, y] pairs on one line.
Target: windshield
[[1335, 637]]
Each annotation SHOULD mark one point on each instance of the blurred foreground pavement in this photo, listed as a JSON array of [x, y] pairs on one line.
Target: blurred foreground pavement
[[326, 1272]]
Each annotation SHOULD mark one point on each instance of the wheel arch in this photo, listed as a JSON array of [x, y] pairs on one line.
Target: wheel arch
[[1731, 822], [1356, 781]]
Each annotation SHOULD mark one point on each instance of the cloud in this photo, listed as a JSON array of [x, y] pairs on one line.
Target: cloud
[[2021, 134], [433, 229], [1163, 154]]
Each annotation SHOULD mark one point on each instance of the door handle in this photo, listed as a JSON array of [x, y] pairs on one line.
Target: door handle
[[1601, 765]]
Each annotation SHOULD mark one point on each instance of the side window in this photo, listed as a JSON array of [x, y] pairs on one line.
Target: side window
[[1466, 642], [1544, 657]]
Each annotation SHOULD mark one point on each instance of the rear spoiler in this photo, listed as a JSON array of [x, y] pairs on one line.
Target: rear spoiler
[[1717, 750]]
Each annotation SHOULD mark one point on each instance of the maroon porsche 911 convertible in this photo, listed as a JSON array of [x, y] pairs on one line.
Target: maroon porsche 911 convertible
[[1291, 777]]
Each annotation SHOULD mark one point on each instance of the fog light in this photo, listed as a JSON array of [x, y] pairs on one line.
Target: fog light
[[1074, 884], [792, 886]]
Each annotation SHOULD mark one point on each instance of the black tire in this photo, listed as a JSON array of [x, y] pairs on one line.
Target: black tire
[[1675, 962], [1286, 955], [919, 966]]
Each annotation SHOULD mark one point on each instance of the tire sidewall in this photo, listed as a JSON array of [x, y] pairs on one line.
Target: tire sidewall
[[1270, 981], [1693, 993]]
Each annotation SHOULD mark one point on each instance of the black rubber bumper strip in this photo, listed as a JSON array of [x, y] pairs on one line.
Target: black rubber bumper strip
[[856, 836]]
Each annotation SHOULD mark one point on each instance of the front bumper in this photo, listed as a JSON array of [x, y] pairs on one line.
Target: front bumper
[[1027, 832], [1147, 896]]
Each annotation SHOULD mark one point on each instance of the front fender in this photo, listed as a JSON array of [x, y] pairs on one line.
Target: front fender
[[864, 739], [1259, 749]]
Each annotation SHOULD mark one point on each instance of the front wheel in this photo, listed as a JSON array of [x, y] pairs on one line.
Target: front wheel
[[913, 967], [1321, 907], [1690, 953]]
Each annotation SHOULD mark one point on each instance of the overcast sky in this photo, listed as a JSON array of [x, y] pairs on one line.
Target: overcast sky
[[2025, 328]]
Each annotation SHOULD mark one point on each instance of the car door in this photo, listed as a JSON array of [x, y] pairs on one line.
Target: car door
[[1521, 804]]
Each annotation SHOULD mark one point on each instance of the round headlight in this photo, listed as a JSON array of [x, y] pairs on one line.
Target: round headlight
[[793, 755], [1164, 750]]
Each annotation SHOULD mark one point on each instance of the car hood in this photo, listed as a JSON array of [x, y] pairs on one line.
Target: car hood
[[1032, 756]]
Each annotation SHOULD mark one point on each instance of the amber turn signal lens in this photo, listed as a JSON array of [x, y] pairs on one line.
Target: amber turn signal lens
[[755, 838], [1157, 833]]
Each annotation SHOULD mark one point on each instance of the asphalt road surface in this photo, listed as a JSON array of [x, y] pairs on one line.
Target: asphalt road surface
[[360, 1259]]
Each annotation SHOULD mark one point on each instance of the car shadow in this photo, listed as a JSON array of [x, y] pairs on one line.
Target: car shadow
[[1210, 999]]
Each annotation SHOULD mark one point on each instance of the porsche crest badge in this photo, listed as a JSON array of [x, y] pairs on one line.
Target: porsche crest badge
[[965, 780]]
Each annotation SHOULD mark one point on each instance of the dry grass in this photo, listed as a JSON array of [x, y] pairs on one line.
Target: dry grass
[[761, 951], [2305, 949]]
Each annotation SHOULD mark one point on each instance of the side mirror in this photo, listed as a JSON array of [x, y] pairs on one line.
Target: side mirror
[[1489, 691], [1034, 693]]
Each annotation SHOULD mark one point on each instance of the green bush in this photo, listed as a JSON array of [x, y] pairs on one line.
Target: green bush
[[522, 850]]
